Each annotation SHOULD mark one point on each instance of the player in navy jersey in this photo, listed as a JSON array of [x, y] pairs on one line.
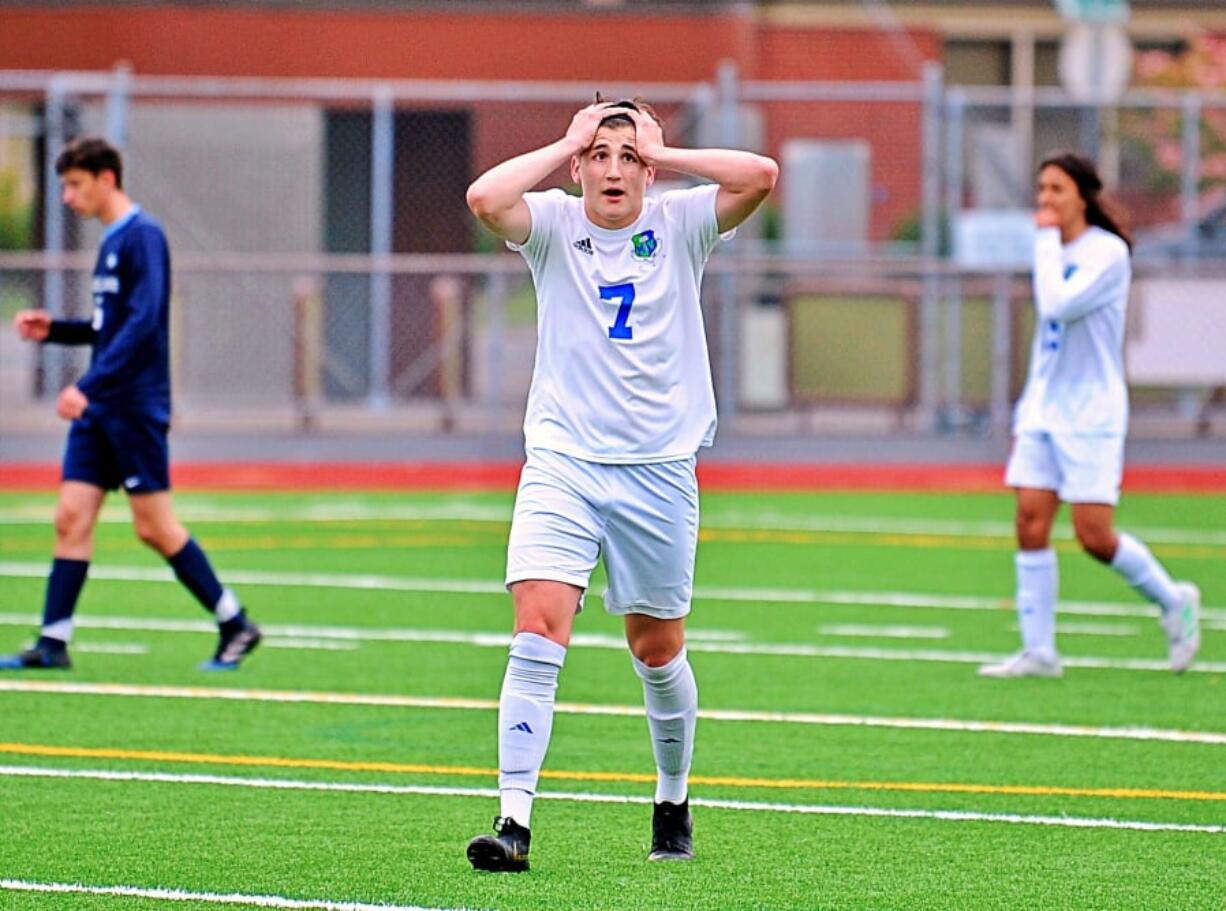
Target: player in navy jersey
[[120, 412]]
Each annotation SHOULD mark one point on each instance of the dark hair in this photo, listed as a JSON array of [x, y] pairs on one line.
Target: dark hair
[[92, 154], [632, 104], [1101, 209]]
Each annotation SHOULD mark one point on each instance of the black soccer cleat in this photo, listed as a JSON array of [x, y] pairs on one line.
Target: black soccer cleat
[[506, 851], [672, 831], [233, 647], [39, 657]]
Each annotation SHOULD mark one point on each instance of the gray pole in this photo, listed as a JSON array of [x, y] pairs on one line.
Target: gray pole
[[382, 151], [118, 103], [1002, 333], [725, 386], [930, 245], [1190, 179], [954, 110], [54, 360]]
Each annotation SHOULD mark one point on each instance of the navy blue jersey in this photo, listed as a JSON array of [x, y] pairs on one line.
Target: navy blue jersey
[[130, 330]]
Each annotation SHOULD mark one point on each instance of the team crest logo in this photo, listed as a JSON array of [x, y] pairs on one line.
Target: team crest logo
[[645, 244], [112, 260]]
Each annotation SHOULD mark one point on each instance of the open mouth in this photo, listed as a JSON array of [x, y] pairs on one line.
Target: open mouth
[[614, 194]]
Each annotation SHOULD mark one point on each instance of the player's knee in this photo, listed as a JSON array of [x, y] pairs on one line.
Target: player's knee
[[71, 523], [1097, 541], [148, 532], [1032, 530]]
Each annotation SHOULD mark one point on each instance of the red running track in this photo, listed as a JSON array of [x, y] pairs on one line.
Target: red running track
[[741, 476]]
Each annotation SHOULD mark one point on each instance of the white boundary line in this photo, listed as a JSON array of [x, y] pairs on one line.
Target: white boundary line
[[214, 898], [1079, 822], [369, 582], [473, 511], [604, 641], [572, 708]]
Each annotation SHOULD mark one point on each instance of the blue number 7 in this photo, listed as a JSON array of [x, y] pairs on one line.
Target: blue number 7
[[625, 294]]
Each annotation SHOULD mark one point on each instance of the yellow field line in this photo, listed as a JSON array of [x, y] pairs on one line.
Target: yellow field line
[[794, 784]]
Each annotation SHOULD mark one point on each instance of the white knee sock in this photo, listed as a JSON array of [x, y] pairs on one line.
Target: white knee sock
[[1135, 563], [1038, 580], [525, 720], [671, 698]]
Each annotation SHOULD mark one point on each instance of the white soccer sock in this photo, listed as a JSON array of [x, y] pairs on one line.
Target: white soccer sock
[[671, 698], [1038, 580], [1135, 563], [60, 629], [525, 720], [227, 607]]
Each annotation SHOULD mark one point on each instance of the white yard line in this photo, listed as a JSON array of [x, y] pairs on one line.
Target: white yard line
[[600, 640], [213, 898], [734, 805], [713, 517], [1095, 629], [573, 708], [864, 630], [295, 642], [369, 582], [111, 648]]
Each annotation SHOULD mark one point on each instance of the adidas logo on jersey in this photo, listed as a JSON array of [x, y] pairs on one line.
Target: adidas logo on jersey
[[584, 245], [523, 727]]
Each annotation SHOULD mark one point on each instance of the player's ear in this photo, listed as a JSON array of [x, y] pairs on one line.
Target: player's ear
[[574, 168], [651, 174]]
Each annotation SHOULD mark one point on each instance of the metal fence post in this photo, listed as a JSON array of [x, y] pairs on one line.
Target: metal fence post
[[1002, 349], [1190, 178], [118, 103], [725, 387], [382, 188], [954, 114], [930, 244], [53, 357]]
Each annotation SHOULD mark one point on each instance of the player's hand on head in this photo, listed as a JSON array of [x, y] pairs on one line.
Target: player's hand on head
[[585, 123], [648, 137], [71, 404], [33, 325]]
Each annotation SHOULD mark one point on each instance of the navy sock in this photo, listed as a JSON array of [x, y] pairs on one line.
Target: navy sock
[[63, 588], [193, 570], [234, 624]]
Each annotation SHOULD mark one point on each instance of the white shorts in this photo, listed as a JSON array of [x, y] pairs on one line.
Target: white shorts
[[1081, 468], [644, 518]]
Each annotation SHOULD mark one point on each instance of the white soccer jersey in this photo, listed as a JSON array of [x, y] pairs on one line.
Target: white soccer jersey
[[622, 374], [1076, 382]]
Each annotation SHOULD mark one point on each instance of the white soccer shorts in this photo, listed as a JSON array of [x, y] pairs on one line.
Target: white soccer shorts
[[1081, 468], [643, 518]]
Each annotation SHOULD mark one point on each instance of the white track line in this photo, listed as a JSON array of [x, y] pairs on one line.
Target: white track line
[[868, 631], [1095, 629], [213, 898], [573, 708], [367, 582], [617, 643], [713, 517], [111, 648], [736, 805]]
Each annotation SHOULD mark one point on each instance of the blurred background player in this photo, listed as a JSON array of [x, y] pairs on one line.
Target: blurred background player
[[621, 400], [120, 412], [1070, 422]]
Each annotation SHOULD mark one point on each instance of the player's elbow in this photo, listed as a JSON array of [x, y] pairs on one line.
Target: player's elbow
[[481, 202], [766, 173]]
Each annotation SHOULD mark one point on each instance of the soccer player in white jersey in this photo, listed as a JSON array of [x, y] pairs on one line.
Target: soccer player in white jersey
[[621, 400], [1069, 425]]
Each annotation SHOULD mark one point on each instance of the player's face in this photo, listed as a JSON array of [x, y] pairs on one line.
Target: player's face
[[86, 193], [1059, 194], [613, 177]]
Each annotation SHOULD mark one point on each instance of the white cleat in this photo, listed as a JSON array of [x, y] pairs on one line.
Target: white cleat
[[1024, 664], [1183, 628]]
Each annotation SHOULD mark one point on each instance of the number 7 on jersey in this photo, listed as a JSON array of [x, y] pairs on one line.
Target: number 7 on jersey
[[624, 295]]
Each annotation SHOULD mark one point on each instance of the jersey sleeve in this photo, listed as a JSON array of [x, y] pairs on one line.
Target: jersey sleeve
[[71, 332], [695, 208], [126, 352], [545, 208], [1064, 299]]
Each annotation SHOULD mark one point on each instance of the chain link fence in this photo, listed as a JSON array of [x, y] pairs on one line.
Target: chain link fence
[[328, 273]]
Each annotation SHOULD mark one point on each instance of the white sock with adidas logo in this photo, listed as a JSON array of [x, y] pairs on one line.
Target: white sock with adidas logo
[[525, 720]]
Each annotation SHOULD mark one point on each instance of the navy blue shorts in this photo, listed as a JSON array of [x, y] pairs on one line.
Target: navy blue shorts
[[125, 450]]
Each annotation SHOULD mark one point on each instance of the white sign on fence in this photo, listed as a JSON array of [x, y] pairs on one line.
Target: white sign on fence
[[1177, 333]]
